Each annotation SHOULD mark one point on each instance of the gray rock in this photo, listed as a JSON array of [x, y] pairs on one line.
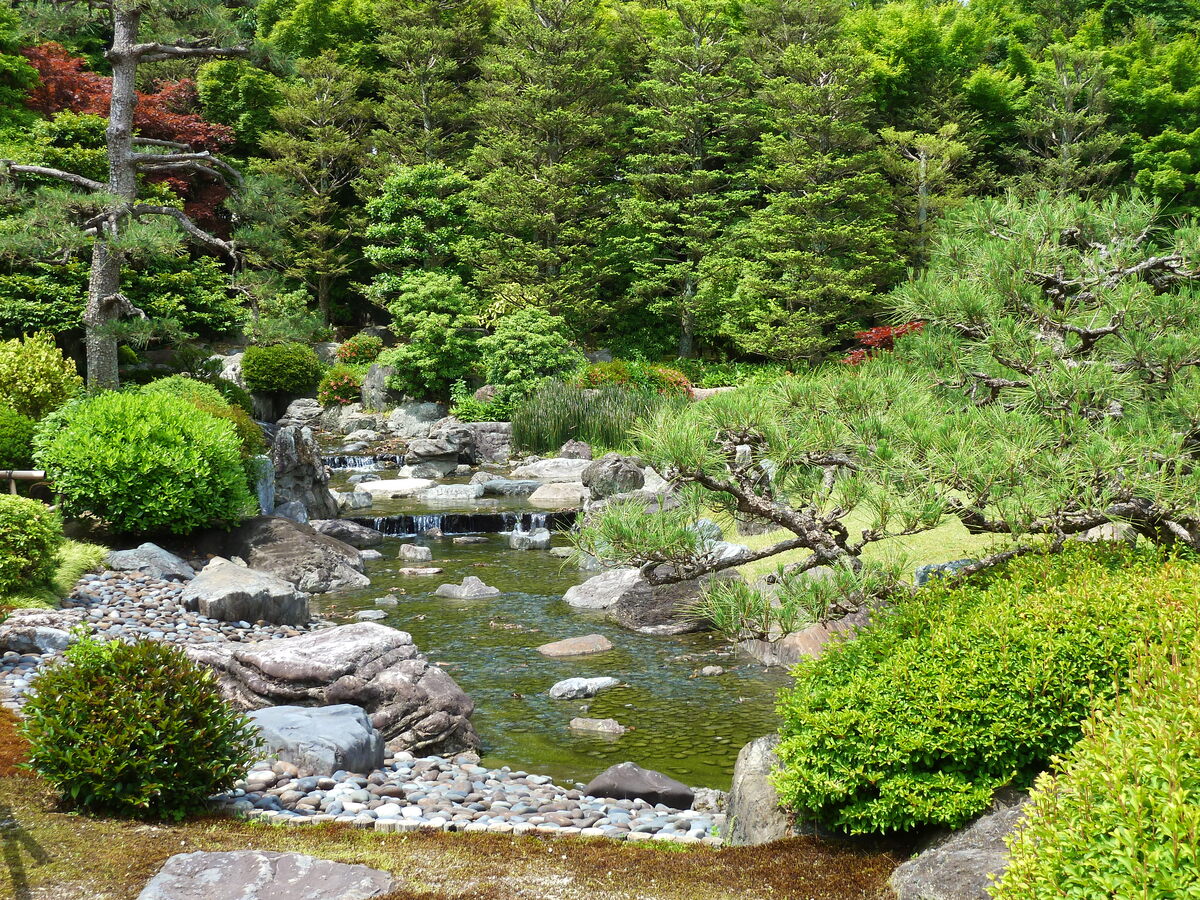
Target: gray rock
[[262, 875], [574, 449], [376, 395], [537, 539], [153, 560], [450, 442], [293, 510], [552, 470], [313, 562], [348, 501], [559, 495], [38, 630], [453, 493], [370, 615], [613, 474], [577, 646], [301, 413], [493, 441], [961, 865], [359, 536], [300, 472], [415, 553], [603, 590], [414, 705], [396, 488], [925, 574], [1109, 533], [581, 688], [368, 555], [506, 487], [414, 420], [754, 814], [601, 726], [226, 591], [320, 741], [627, 781], [470, 589], [663, 608]]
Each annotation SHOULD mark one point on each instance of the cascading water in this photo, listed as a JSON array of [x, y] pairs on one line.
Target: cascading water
[[470, 523], [362, 463]]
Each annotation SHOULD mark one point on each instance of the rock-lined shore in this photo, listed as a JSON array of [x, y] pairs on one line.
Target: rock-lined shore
[[439, 794]]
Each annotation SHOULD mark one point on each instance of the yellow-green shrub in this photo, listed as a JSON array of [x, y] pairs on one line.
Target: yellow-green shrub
[[35, 378], [30, 535]]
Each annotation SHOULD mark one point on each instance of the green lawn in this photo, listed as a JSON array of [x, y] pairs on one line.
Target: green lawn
[[74, 559]]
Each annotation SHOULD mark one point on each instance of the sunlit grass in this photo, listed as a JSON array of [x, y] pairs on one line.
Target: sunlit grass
[[74, 559]]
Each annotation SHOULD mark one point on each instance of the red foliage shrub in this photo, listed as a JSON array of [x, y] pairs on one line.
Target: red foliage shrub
[[873, 340]]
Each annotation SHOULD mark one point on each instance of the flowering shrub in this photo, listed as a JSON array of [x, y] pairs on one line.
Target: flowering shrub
[[874, 340], [341, 386], [362, 348]]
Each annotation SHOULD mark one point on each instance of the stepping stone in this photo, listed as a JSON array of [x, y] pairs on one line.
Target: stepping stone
[[577, 646], [628, 781], [601, 726], [470, 589], [418, 571], [261, 875], [415, 553], [579, 688]]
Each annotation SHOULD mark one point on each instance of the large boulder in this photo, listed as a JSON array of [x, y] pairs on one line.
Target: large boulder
[[449, 441], [231, 593], [153, 560], [613, 474], [537, 539], [961, 865], [552, 470], [262, 875], [754, 815], [413, 704], [301, 413], [313, 562], [663, 608], [38, 630], [560, 495], [574, 449], [414, 420], [358, 536], [375, 392], [603, 590], [320, 740], [300, 472], [493, 441], [628, 781]]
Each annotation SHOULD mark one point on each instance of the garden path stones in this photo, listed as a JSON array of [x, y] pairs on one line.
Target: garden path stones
[[232, 593], [322, 740], [470, 589], [577, 646], [581, 688], [153, 560], [628, 781], [262, 875], [414, 704]]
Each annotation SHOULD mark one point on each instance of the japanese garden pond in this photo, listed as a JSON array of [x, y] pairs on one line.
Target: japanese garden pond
[[688, 726]]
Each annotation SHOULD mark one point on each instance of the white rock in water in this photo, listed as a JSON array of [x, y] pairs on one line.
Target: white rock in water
[[579, 688]]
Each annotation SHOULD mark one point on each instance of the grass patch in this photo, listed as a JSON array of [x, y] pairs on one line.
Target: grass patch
[[72, 857], [74, 559]]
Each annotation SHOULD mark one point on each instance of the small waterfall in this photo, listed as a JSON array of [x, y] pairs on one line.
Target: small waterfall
[[470, 523], [264, 483], [362, 463]]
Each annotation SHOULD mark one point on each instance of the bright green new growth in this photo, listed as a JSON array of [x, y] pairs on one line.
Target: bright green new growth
[[30, 535], [135, 729], [144, 464], [281, 369], [525, 347], [35, 378], [1119, 817], [208, 399], [966, 688], [16, 439]]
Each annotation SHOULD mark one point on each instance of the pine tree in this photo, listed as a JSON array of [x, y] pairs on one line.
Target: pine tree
[[926, 170], [319, 148], [546, 104], [142, 32], [693, 118]]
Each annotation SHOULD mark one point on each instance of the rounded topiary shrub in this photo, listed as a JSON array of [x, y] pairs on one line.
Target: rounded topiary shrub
[[208, 399], [16, 439], [281, 369], [135, 729], [35, 378], [362, 348], [144, 463], [30, 535]]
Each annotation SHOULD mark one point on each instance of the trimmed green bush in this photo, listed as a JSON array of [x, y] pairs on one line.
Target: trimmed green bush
[[16, 439], [606, 417], [184, 387], [30, 535], [964, 689], [135, 729], [362, 348], [35, 378], [525, 347], [340, 385], [209, 399], [281, 369], [465, 408], [1120, 817], [144, 463], [625, 373]]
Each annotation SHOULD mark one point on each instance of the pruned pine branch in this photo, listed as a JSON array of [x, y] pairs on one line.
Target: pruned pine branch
[[155, 52], [196, 161], [189, 227], [58, 174]]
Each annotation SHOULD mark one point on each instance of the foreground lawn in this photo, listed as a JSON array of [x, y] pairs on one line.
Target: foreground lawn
[[74, 559]]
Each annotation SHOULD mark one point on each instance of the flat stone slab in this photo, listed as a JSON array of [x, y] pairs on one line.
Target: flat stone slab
[[418, 571], [262, 875], [320, 740], [153, 560], [577, 646], [552, 470], [452, 493], [537, 539], [601, 726], [579, 688], [394, 488], [560, 494]]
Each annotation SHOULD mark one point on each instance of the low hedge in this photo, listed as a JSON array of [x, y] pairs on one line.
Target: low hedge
[[1120, 817], [966, 688], [281, 369]]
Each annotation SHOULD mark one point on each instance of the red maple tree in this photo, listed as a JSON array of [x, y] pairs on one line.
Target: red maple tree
[[874, 340], [164, 114]]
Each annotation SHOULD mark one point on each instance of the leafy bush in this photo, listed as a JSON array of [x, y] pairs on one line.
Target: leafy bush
[[234, 394], [135, 729], [964, 689], [35, 378], [144, 463], [435, 314], [713, 373], [1119, 818], [16, 439], [281, 369], [362, 348], [285, 318], [30, 535], [604, 417], [186, 388], [208, 399], [465, 408], [625, 373], [341, 385], [525, 347]]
